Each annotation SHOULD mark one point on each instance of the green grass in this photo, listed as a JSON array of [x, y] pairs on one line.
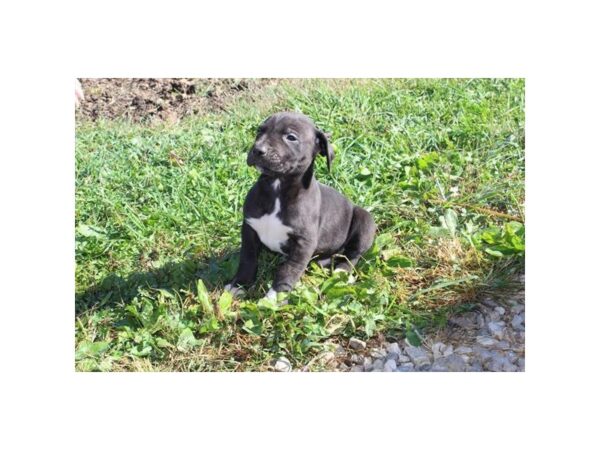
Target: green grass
[[439, 163]]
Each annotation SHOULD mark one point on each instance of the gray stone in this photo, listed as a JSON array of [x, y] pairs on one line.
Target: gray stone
[[450, 363], [512, 357], [378, 353], [489, 302], [357, 359], [407, 367], [521, 363], [327, 357], [517, 322], [499, 362], [339, 351], [467, 320], [419, 357], [392, 357], [394, 348], [462, 350], [356, 369], [500, 310], [496, 329], [368, 364], [475, 367], [503, 345], [480, 321], [482, 354], [378, 365], [436, 349], [494, 315], [357, 344], [518, 308], [519, 346], [389, 366], [282, 365], [486, 341], [403, 358]]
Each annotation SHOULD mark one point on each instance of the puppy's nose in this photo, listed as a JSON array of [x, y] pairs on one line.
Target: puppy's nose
[[259, 151]]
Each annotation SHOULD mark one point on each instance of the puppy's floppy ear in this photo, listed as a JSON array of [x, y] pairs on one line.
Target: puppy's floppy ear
[[324, 147]]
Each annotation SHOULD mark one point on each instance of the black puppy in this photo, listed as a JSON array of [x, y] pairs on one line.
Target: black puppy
[[290, 212]]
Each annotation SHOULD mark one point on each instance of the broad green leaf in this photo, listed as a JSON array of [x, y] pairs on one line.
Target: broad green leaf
[[496, 253], [451, 221], [438, 232], [186, 340], [162, 343], [204, 300], [309, 295], [369, 327], [225, 301], [87, 349], [144, 351], [338, 291], [210, 325], [252, 327], [394, 258], [90, 231], [268, 303], [330, 282]]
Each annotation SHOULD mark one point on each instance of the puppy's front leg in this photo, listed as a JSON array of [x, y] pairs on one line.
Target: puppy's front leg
[[246, 273], [292, 268]]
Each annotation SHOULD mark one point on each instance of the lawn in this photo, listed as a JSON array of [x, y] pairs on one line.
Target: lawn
[[439, 163]]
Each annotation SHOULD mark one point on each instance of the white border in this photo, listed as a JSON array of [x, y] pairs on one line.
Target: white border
[[47, 404]]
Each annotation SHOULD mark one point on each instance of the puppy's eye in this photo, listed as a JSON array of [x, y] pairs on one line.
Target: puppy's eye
[[291, 137]]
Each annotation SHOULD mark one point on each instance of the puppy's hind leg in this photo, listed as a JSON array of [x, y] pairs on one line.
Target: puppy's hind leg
[[360, 238], [325, 263]]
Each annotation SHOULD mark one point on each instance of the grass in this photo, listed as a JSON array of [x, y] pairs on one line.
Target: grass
[[439, 163]]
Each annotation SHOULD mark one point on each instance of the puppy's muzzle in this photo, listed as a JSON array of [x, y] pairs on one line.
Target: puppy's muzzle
[[256, 156]]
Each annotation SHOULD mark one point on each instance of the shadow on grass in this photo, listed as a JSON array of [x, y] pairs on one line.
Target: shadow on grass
[[214, 270]]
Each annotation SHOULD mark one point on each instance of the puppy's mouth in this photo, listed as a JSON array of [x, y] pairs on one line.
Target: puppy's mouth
[[265, 167]]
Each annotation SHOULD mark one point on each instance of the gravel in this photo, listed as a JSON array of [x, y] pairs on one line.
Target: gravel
[[489, 338]]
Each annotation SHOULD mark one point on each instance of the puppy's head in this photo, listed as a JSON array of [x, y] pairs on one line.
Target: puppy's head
[[287, 144]]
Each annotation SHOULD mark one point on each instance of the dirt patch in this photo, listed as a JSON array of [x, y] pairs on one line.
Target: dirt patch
[[161, 99]]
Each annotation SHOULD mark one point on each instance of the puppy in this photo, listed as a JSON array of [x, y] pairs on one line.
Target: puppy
[[289, 212]]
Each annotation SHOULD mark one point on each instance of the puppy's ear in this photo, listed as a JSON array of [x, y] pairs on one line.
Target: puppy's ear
[[324, 147]]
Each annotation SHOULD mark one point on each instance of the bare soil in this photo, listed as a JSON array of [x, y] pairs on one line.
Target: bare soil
[[147, 100]]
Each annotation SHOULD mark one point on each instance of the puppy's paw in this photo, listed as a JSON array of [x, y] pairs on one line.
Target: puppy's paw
[[351, 278], [234, 290], [272, 295]]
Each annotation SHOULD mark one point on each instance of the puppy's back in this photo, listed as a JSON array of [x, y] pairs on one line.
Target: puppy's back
[[336, 218]]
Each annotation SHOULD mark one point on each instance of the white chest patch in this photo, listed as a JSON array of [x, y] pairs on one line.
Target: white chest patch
[[271, 231]]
